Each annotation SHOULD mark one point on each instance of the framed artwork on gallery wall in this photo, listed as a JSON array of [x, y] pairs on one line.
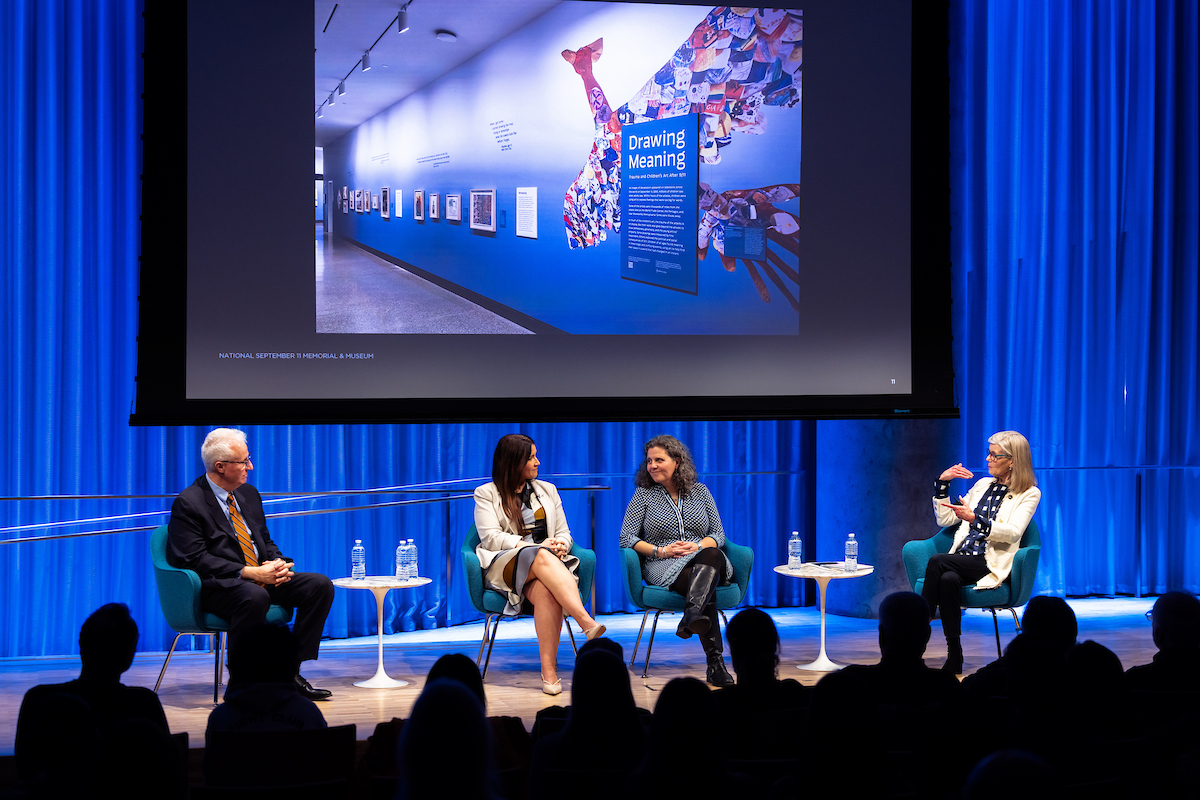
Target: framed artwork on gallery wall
[[345, 206], [367, 201], [483, 210], [399, 201], [358, 200], [385, 203], [375, 202], [454, 207], [419, 204], [434, 211]]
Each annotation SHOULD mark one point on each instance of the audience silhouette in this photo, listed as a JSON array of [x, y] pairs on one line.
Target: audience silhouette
[[684, 758], [1049, 718], [762, 709], [602, 740], [60, 726], [262, 693], [446, 746], [895, 712]]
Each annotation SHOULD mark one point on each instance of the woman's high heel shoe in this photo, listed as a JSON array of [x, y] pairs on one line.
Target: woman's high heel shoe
[[594, 631], [550, 688]]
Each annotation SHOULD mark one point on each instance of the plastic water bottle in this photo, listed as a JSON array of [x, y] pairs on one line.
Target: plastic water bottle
[[851, 554], [401, 567], [358, 561], [795, 551], [412, 560]]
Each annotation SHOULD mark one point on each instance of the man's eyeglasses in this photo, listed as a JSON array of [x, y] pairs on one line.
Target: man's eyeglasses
[[245, 463], [997, 456]]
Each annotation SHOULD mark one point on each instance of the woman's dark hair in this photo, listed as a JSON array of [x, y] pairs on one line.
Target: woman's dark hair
[[685, 469], [508, 464]]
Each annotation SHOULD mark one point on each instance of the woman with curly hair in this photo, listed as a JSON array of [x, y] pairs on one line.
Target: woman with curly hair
[[673, 524]]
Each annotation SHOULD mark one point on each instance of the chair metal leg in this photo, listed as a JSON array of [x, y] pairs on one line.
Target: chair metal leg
[[483, 641], [170, 653], [218, 670], [650, 644], [491, 643], [724, 619], [996, 624], [571, 634], [1016, 621], [638, 643]]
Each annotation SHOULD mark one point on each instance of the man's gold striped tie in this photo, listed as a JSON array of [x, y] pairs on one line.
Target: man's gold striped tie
[[243, 534]]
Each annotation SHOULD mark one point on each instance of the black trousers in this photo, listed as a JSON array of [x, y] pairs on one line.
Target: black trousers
[[246, 604], [945, 575]]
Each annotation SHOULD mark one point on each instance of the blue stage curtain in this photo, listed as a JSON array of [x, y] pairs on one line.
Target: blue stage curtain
[[1074, 209]]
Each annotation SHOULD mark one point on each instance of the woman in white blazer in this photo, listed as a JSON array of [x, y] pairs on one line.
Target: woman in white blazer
[[525, 549], [991, 518]]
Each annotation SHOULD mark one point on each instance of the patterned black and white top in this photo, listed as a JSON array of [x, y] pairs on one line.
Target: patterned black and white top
[[654, 518], [975, 544]]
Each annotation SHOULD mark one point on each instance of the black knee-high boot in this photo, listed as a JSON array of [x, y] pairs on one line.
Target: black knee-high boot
[[700, 591], [954, 655], [717, 675]]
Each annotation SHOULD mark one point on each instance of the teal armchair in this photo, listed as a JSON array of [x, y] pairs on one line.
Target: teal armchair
[[179, 596], [1015, 591], [659, 598], [492, 603]]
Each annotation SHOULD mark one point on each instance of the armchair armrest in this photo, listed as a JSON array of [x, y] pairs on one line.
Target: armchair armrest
[[633, 576]]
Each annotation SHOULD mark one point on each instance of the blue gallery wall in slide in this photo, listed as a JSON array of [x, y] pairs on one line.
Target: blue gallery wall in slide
[[520, 115]]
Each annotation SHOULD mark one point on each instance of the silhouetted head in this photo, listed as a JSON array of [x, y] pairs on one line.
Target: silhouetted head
[[600, 685], [264, 654], [457, 667], [903, 626], [1094, 669], [685, 707], [1052, 622], [107, 641], [446, 746], [1176, 622], [1011, 773], [753, 645], [605, 644]]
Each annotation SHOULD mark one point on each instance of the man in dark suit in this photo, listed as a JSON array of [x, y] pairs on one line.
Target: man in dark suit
[[219, 531]]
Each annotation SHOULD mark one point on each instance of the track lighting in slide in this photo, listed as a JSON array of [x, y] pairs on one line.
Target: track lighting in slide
[[332, 99], [341, 89], [366, 61], [402, 19]]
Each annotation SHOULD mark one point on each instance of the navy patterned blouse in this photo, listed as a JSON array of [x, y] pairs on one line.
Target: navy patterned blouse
[[654, 518]]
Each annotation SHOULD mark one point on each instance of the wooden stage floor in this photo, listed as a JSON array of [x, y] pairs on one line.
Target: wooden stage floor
[[513, 686]]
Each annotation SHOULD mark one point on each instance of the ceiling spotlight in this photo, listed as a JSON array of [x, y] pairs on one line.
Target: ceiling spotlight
[[341, 89], [321, 111], [331, 101], [445, 36], [366, 61], [402, 19]]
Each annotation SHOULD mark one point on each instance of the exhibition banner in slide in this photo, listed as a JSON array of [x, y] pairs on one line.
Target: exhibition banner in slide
[[658, 201]]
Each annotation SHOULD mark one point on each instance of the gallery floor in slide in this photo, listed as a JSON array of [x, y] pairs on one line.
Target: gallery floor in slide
[[360, 293]]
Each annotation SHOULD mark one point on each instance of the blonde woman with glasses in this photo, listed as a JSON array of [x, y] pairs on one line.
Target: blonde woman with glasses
[[991, 519]]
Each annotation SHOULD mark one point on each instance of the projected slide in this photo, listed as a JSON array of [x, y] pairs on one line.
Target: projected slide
[[680, 206]]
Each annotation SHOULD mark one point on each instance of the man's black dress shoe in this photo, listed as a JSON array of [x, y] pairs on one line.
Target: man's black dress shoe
[[309, 691]]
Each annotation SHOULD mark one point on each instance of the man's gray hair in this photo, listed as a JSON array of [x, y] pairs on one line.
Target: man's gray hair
[[218, 446]]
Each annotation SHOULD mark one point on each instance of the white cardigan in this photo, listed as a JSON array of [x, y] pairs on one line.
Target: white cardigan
[[497, 532], [1007, 528]]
